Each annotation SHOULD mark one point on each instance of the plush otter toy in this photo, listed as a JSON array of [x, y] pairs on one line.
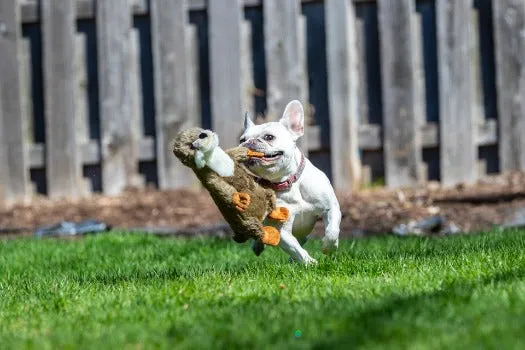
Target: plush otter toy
[[242, 201]]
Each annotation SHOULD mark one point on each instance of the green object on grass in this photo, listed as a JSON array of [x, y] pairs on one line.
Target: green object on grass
[[116, 291]]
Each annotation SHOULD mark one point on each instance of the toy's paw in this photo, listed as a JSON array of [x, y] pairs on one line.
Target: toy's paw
[[280, 213], [271, 236], [254, 154], [241, 200]]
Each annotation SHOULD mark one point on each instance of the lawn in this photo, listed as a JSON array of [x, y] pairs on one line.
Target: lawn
[[136, 291]]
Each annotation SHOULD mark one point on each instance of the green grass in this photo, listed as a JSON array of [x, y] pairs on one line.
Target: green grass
[[131, 291]]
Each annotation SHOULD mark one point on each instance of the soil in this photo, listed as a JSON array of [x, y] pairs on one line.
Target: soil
[[492, 201]]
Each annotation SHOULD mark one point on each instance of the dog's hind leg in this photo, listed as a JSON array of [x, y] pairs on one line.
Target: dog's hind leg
[[332, 222]]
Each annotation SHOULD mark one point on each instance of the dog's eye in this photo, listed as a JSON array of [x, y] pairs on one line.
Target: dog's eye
[[269, 137], [203, 135]]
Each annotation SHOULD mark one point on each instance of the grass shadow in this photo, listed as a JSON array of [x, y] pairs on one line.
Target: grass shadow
[[373, 325]]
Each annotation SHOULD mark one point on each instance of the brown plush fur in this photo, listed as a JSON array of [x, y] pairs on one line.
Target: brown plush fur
[[245, 224]]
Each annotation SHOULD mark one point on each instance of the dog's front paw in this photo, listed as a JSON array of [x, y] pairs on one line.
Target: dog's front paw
[[304, 260], [308, 260], [241, 201], [330, 245]]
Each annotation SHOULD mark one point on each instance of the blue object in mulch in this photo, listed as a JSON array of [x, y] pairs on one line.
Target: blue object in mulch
[[426, 226], [67, 228]]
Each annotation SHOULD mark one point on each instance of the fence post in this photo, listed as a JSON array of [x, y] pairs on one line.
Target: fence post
[[248, 84], [225, 18], [285, 61], [509, 24], [169, 28], [401, 125], [118, 130], [458, 147], [63, 169], [343, 89], [15, 176], [192, 62]]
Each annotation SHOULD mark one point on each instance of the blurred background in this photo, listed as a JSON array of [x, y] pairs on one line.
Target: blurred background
[[397, 92]]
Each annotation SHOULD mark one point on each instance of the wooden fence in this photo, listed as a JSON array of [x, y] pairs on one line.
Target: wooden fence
[[93, 91]]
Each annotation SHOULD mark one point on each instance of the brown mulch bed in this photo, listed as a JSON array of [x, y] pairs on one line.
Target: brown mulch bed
[[477, 207]]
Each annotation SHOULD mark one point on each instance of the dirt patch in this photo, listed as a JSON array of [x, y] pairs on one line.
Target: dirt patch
[[477, 207]]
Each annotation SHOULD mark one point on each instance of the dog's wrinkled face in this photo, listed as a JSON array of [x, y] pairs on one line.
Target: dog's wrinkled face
[[277, 140]]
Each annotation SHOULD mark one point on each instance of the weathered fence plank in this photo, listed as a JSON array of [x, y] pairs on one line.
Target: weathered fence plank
[[248, 84], [63, 170], [26, 62], [302, 143], [509, 26], [137, 82], [82, 111], [81, 98], [118, 137], [284, 61], [15, 176], [402, 140], [192, 62], [457, 128], [225, 69], [169, 21], [193, 84], [26, 86], [361, 34], [419, 86], [137, 95], [4, 173], [343, 90], [478, 109]]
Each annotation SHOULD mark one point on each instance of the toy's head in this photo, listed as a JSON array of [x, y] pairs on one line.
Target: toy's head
[[206, 142], [183, 147]]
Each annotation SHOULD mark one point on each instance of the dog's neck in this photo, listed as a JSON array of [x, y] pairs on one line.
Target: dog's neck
[[220, 162]]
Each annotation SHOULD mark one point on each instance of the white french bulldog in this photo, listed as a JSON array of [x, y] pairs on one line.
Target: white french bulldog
[[301, 187]]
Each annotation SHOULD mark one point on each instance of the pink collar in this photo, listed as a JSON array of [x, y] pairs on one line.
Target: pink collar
[[286, 184]]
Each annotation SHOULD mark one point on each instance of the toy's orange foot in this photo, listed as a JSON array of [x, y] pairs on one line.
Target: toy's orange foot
[[280, 213], [271, 235], [254, 154], [241, 200]]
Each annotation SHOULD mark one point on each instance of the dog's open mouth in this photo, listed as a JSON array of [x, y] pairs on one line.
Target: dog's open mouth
[[272, 155], [268, 157]]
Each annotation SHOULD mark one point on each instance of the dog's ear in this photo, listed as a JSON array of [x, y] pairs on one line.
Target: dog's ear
[[293, 118], [247, 121]]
